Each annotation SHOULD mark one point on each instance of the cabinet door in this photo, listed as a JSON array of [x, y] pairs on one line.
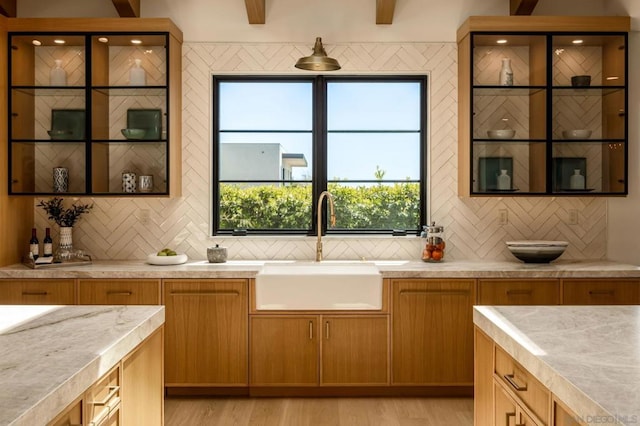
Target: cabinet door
[[600, 292], [284, 350], [433, 331], [206, 332], [72, 416], [118, 292], [518, 292], [563, 416], [504, 408], [37, 292], [355, 350]]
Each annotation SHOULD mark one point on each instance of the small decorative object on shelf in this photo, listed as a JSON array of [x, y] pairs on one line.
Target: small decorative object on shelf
[[58, 76], [145, 183], [433, 245], [47, 244], [506, 73], [577, 180], [60, 179], [128, 182], [137, 75], [34, 244], [65, 218], [503, 180]]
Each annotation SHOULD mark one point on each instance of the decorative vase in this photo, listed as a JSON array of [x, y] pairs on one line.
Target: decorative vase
[[58, 76], [506, 73], [503, 180], [65, 247], [128, 182], [137, 75], [60, 179], [576, 181]]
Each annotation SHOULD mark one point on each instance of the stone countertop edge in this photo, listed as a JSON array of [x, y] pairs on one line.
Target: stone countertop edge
[[544, 365], [138, 269], [52, 367]]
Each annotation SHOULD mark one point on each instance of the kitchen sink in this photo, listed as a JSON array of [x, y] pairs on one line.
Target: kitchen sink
[[319, 286]]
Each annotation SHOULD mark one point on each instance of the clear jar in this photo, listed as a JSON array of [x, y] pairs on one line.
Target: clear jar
[[432, 243]]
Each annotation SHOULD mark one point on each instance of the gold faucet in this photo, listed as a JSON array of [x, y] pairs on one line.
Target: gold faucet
[[319, 223]]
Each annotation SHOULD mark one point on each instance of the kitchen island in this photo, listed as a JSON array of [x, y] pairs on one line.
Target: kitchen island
[[50, 355], [587, 357]]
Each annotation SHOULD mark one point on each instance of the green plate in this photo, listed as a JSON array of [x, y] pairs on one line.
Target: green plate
[[148, 119], [69, 121]]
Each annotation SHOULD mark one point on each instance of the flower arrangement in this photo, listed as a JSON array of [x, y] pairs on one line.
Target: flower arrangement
[[61, 215]]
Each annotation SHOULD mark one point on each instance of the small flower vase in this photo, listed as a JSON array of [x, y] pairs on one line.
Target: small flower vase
[[65, 248], [137, 75], [58, 76], [506, 73]]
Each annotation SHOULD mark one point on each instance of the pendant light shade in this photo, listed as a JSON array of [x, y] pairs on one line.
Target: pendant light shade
[[318, 61]]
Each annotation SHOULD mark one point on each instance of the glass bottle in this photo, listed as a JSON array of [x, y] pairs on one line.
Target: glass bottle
[[58, 76], [503, 180], [137, 75], [432, 243], [34, 244], [506, 73], [47, 244]]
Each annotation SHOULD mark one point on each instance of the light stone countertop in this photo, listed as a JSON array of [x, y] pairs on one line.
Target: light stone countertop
[[49, 355], [388, 268], [588, 356]]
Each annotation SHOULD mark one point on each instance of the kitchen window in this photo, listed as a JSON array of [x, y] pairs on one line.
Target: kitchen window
[[278, 142]]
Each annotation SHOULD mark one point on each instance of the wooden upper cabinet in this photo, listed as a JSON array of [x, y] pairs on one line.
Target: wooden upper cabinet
[[552, 130], [432, 331], [118, 292], [518, 292], [206, 332], [601, 292], [37, 292], [75, 84]]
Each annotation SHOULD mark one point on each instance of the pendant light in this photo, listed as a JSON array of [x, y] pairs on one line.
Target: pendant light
[[318, 61]]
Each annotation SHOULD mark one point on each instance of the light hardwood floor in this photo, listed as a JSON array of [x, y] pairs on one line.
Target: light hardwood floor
[[319, 411]]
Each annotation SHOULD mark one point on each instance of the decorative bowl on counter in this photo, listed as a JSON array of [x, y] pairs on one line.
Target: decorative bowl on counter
[[217, 254], [501, 134], [537, 251], [133, 133], [154, 259], [581, 80], [576, 134]]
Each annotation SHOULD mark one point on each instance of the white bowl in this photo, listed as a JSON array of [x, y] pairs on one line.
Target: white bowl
[[154, 259], [501, 134], [576, 134], [537, 251]]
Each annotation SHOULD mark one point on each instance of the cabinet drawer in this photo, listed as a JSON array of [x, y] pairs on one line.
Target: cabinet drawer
[[518, 292], [600, 292], [103, 399], [37, 292], [531, 393], [119, 292]]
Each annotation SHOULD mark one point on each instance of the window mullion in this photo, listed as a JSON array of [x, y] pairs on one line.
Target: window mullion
[[319, 150]]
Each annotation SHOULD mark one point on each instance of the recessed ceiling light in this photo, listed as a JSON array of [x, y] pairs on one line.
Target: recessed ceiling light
[[577, 41], [136, 41], [103, 40], [36, 42], [59, 41], [501, 41]]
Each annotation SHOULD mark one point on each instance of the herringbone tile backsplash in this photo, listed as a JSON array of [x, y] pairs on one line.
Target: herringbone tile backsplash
[[130, 228]]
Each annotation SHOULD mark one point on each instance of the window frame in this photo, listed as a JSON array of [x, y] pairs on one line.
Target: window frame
[[319, 139]]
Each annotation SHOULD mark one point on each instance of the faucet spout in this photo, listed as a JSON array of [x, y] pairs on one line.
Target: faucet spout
[[332, 220]]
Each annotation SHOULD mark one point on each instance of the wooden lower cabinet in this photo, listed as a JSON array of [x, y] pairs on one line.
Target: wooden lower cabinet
[[518, 292], [562, 416], [71, 416], [37, 291], [432, 331], [206, 337], [601, 292], [319, 350], [118, 292]]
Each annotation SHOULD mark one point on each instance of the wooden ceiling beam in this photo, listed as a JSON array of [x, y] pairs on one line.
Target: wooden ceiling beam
[[8, 8], [127, 8], [384, 11], [522, 7], [255, 11]]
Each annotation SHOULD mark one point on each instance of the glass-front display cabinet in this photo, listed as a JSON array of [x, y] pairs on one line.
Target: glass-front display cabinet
[[543, 112], [90, 112]]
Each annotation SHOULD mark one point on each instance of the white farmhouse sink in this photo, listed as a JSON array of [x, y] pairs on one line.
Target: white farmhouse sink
[[318, 285]]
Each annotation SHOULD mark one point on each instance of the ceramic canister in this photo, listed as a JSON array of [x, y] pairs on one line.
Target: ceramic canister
[[145, 183], [60, 179], [128, 182]]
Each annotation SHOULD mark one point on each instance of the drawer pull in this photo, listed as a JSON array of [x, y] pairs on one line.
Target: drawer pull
[[601, 292], [510, 378], [310, 330], [113, 390], [326, 327], [205, 293], [436, 292], [35, 293], [119, 293], [508, 418], [519, 292]]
